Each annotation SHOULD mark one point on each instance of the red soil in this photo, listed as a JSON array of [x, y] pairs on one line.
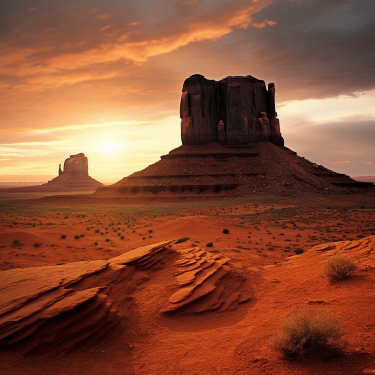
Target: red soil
[[261, 239]]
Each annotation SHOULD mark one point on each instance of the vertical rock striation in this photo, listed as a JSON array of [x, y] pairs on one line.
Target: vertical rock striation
[[232, 111]]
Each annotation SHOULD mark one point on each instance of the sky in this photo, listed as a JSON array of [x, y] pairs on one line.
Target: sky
[[105, 78]]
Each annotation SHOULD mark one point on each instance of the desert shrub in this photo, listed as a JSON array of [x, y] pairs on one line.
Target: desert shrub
[[37, 244], [339, 267], [16, 242], [122, 237], [77, 237], [226, 231], [210, 244], [150, 231], [183, 239], [88, 228], [302, 334], [15, 223], [107, 240], [298, 251], [63, 236], [96, 230], [95, 243]]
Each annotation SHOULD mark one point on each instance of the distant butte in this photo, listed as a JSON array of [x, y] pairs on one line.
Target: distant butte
[[231, 144], [74, 177]]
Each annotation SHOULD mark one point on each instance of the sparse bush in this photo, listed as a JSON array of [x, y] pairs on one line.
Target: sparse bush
[[97, 231], [122, 237], [183, 239], [88, 228], [339, 267], [77, 237], [63, 236], [210, 244], [150, 231], [82, 235], [303, 334], [95, 243], [226, 231], [37, 244], [107, 240], [298, 251], [16, 242]]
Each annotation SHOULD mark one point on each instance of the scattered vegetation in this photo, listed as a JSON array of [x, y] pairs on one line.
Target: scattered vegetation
[[107, 240], [77, 237], [16, 242], [302, 334], [82, 235], [95, 243], [37, 244], [298, 251], [339, 267], [63, 236], [183, 239], [210, 244], [226, 231], [150, 231]]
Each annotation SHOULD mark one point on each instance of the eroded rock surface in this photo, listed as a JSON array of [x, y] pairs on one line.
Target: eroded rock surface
[[56, 309], [233, 111]]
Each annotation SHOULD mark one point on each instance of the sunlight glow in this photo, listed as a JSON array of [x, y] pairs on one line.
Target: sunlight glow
[[109, 147]]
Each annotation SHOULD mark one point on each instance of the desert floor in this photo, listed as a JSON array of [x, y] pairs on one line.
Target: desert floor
[[264, 234]]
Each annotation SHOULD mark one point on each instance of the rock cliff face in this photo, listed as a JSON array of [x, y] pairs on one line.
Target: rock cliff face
[[77, 164], [233, 111]]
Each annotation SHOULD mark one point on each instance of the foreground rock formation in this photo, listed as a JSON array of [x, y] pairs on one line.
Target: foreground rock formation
[[231, 144], [234, 110], [74, 177], [56, 309]]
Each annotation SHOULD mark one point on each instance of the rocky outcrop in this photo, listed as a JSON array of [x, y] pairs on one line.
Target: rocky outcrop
[[233, 111], [206, 282], [57, 309]]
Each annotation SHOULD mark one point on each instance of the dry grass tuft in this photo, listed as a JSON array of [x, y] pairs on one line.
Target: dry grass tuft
[[302, 334], [339, 267]]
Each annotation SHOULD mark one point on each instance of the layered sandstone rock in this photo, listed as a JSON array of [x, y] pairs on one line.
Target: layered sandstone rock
[[57, 309], [233, 111]]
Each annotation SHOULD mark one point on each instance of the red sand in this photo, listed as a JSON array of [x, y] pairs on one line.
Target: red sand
[[262, 237]]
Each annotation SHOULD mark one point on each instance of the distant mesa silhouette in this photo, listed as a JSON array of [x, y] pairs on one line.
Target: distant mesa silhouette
[[74, 177], [231, 144]]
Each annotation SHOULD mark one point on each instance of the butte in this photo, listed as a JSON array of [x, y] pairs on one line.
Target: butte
[[231, 144], [74, 177]]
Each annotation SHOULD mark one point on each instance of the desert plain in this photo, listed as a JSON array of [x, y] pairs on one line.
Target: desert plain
[[277, 245]]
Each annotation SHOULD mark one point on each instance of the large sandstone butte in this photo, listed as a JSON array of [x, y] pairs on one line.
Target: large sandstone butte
[[231, 143], [233, 111], [74, 177]]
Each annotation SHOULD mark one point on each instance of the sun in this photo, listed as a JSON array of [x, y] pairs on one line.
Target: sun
[[109, 147]]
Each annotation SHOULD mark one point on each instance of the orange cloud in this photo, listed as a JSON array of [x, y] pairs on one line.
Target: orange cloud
[[190, 2], [103, 16], [135, 23]]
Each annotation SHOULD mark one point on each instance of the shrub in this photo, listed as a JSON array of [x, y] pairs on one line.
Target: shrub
[[96, 230], [88, 228], [303, 334], [150, 231], [107, 240], [77, 237], [339, 267], [210, 244], [63, 236], [226, 231], [16, 242], [298, 251], [122, 237], [183, 239], [82, 235], [95, 243], [37, 244]]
